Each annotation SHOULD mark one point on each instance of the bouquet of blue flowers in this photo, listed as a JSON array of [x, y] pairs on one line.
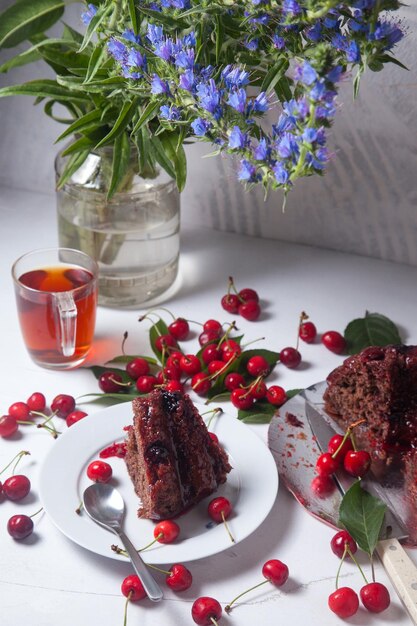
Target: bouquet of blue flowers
[[257, 78]]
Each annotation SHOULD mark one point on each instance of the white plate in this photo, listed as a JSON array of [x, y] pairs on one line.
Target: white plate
[[251, 487]]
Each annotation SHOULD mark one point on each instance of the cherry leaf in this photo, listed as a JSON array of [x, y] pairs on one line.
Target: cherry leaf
[[261, 413], [158, 329], [126, 358], [362, 514], [98, 370], [107, 398], [372, 330]]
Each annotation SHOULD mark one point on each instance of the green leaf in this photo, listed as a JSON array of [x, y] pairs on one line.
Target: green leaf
[[98, 370], [275, 74], [387, 58], [73, 164], [44, 88], [95, 22], [272, 358], [107, 398], [161, 157], [120, 164], [82, 123], [147, 114], [372, 330], [290, 393], [219, 33], [261, 413], [96, 60], [21, 59], [283, 89], [26, 18], [123, 120], [126, 358], [146, 161], [83, 143], [133, 16], [177, 155], [362, 515]]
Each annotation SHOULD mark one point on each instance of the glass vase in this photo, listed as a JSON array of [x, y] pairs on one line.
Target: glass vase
[[134, 236]]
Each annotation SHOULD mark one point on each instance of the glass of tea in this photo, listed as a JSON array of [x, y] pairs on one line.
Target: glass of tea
[[56, 295]]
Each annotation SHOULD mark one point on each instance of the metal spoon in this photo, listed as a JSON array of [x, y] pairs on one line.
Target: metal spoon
[[105, 505]]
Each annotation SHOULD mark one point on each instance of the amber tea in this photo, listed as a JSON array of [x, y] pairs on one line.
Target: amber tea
[[57, 309]]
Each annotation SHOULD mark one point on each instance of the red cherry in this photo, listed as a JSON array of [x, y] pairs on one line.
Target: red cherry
[[99, 471], [234, 380], [200, 383], [16, 487], [74, 416], [323, 486], [307, 332], [145, 384], [334, 341], [250, 310], [174, 385], [258, 390], [214, 437], [276, 572], [334, 444], [205, 610], [164, 342], [132, 588], [213, 325], [344, 602], [172, 372], [375, 597], [166, 531], [207, 336], [19, 410], [137, 367], [110, 382], [258, 366], [8, 426], [215, 367], [341, 540], [63, 404], [357, 462], [190, 364], [211, 353], [179, 329], [219, 509], [242, 399], [20, 526], [230, 349], [36, 402], [230, 302], [326, 464], [248, 294], [290, 357], [276, 395], [180, 578]]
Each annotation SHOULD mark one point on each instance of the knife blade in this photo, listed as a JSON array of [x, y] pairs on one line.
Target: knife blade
[[295, 444]]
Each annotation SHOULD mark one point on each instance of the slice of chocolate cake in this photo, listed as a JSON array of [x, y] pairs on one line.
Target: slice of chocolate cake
[[170, 456], [378, 385]]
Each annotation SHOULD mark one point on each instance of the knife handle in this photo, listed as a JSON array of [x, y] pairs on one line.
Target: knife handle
[[402, 572]]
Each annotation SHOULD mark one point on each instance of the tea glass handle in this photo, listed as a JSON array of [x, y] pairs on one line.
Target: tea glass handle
[[67, 311]]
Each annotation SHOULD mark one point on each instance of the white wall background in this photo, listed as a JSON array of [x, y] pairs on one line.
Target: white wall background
[[366, 203]]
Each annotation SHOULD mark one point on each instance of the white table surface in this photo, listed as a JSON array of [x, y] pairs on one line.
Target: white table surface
[[47, 580]]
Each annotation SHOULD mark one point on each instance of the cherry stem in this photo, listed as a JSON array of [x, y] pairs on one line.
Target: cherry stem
[[146, 317], [224, 368], [253, 341], [33, 514], [213, 621], [17, 459], [345, 552], [303, 318], [118, 550], [160, 308], [213, 412], [125, 336], [158, 569], [151, 543], [79, 508], [126, 605], [224, 337], [349, 552], [227, 527], [228, 608]]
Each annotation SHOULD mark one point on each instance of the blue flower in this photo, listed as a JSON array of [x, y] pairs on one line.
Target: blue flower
[[280, 173], [155, 34], [234, 77], [291, 8], [208, 96], [353, 54], [129, 35], [170, 112], [251, 44], [260, 103], [117, 49], [88, 14], [314, 32], [278, 42], [187, 80], [247, 172], [165, 49], [392, 33], [262, 151], [158, 85], [189, 40], [237, 139], [200, 126], [185, 59], [287, 146], [305, 73], [309, 135], [135, 59], [237, 100]]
